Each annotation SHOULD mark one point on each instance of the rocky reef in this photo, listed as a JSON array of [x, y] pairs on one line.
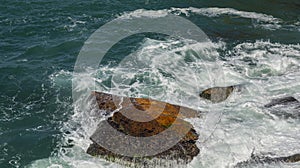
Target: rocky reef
[[122, 109], [157, 116]]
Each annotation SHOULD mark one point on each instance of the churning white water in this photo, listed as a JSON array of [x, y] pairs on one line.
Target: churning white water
[[176, 71]]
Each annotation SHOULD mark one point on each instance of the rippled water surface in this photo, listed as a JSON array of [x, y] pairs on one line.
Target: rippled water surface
[[254, 43]]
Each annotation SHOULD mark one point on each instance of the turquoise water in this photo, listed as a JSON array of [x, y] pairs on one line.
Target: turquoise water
[[257, 40]]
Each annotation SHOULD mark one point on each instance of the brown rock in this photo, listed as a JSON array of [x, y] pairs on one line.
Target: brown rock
[[217, 94], [110, 102], [164, 115]]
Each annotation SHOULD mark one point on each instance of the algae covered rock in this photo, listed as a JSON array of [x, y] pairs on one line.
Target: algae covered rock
[[141, 117]]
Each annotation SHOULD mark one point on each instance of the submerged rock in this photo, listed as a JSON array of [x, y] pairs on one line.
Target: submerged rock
[[283, 101], [286, 107], [269, 160], [159, 115], [217, 94]]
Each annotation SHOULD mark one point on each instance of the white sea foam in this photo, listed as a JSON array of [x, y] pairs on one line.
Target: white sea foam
[[209, 12], [143, 13], [263, 58], [175, 71], [261, 20], [216, 12]]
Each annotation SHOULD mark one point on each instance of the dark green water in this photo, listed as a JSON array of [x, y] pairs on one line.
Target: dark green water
[[40, 41]]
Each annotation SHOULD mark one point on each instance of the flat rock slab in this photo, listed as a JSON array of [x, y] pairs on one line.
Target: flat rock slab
[[159, 117]]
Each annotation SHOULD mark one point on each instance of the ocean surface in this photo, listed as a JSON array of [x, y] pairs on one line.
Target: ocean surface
[[256, 43]]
